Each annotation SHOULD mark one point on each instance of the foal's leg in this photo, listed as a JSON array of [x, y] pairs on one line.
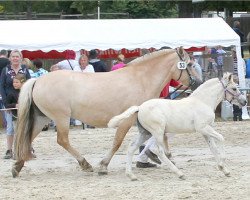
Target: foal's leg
[[63, 140], [168, 152], [39, 122], [161, 153], [134, 145], [119, 136], [218, 150], [142, 130]]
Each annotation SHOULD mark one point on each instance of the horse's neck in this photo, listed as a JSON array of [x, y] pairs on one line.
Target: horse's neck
[[155, 73], [211, 96]]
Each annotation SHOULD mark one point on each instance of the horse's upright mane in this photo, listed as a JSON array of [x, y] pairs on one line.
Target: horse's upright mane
[[149, 56], [204, 85]]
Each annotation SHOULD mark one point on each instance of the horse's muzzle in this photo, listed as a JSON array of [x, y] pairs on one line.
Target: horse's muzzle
[[195, 83]]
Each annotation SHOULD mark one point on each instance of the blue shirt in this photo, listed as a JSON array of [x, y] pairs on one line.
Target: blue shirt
[[40, 72]]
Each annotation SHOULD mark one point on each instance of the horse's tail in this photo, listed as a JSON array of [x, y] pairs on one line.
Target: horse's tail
[[117, 120], [25, 121]]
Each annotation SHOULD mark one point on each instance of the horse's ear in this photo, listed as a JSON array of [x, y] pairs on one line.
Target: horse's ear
[[180, 51]]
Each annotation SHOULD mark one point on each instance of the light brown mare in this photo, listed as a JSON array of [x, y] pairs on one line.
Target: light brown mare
[[92, 98]]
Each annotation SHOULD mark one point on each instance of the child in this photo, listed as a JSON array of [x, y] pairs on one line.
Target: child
[[12, 102]]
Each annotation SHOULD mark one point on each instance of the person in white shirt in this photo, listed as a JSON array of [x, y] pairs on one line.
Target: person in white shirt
[[83, 65], [68, 63]]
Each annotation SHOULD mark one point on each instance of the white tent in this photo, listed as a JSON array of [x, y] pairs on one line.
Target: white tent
[[59, 35], [47, 35]]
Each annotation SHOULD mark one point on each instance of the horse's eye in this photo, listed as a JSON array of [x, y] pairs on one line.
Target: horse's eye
[[234, 89]]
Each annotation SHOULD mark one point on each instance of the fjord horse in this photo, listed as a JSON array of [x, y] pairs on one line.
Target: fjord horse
[[93, 98], [195, 113]]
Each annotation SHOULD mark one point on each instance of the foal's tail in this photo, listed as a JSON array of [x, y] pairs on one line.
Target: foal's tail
[[117, 120], [25, 121]]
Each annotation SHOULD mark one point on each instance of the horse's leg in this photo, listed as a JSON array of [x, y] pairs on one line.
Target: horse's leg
[[218, 150], [62, 126], [39, 122], [134, 145], [161, 153], [119, 136]]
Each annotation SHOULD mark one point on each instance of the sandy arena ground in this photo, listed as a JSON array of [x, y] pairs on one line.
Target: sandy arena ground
[[54, 174]]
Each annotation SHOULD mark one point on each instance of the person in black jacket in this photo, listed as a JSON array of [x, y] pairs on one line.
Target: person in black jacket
[[4, 61], [99, 66], [236, 28], [12, 97]]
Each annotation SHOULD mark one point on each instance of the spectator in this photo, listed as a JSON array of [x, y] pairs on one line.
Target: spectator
[[220, 60], [237, 111], [119, 63], [248, 41], [66, 64], [99, 66], [4, 61], [83, 65], [144, 52], [236, 28], [6, 87], [54, 68], [196, 66], [211, 71], [29, 66], [40, 71], [39, 68]]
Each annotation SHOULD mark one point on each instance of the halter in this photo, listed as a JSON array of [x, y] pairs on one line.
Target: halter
[[234, 96], [191, 80]]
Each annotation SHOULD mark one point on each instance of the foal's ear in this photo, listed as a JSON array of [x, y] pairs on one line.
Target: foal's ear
[[230, 78]]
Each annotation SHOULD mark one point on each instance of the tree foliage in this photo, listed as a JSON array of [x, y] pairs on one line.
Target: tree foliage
[[131, 9]]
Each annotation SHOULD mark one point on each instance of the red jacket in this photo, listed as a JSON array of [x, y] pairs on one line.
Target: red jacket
[[165, 90]]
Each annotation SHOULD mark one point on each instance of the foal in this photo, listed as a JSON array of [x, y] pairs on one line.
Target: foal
[[159, 116]]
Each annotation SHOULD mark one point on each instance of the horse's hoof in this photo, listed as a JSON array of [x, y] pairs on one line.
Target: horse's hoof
[[14, 172], [89, 169], [86, 166], [182, 177], [101, 173]]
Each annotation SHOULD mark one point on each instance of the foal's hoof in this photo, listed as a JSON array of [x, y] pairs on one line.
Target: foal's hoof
[[182, 177], [132, 177], [14, 172], [227, 174]]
